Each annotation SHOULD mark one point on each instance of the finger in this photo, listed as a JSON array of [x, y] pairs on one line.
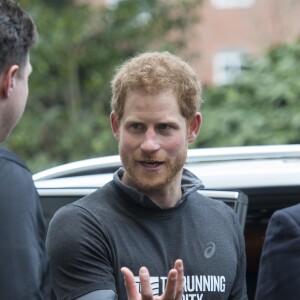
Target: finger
[[171, 286], [132, 292], [180, 278], [146, 289]]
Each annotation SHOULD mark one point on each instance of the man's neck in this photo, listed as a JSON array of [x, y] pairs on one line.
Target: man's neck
[[167, 198]]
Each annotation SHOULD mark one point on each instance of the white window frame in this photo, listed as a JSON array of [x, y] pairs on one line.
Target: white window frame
[[227, 65], [112, 3], [230, 4]]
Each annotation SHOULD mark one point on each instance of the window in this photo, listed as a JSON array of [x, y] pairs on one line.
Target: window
[[226, 66], [228, 4], [112, 3]]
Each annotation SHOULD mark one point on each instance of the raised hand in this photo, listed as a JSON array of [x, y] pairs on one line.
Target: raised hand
[[173, 290]]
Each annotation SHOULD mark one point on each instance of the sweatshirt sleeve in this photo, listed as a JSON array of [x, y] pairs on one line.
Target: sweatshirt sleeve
[[80, 254]]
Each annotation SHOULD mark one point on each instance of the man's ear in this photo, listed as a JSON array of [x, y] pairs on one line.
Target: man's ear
[[114, 125], [8, 81], [194, 126]]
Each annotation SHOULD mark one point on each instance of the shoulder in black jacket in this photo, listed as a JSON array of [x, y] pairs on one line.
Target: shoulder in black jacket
[[24, 267], [279, 273]]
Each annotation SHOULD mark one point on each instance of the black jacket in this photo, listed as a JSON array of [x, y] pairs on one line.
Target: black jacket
[[279, 273], [24, 267]]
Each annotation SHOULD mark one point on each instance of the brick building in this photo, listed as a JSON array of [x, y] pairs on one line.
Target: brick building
[[229, 29]]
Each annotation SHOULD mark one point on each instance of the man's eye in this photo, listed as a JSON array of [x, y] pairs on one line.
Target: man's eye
[[164, 127], [136, 126]]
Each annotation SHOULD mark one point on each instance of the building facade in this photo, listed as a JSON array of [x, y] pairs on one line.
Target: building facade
[[230, 29]]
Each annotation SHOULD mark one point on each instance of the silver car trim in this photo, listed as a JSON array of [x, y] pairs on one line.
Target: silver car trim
[[194, 155], [83, 192]]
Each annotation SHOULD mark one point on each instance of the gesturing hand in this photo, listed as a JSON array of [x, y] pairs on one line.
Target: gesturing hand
[[173, 290]]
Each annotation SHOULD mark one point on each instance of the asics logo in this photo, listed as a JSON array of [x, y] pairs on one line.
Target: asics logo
[[210, 250]]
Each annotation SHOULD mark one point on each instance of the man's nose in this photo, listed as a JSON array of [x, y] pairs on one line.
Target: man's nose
[[150, 141]]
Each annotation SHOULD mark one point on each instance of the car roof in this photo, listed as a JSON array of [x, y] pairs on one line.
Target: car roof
[[105, 164], [218, 168]]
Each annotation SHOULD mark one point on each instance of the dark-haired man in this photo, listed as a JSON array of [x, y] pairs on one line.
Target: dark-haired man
[[24, 267]]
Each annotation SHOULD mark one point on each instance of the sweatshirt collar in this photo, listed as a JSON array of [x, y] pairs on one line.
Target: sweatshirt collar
[[189, 184]]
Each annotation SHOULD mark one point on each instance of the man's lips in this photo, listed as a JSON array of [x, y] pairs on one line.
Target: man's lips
[[151, 164]]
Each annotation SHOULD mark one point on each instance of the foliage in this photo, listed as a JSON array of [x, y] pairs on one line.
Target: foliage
[[67, 116], [261, 107]]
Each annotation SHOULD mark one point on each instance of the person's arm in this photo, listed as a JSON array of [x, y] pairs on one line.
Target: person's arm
[[239, 288], [99, 295], [279, 272], [174, 287], [80, 256]]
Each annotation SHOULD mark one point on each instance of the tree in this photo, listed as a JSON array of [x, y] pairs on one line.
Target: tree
[[67, 116], [261, 107]]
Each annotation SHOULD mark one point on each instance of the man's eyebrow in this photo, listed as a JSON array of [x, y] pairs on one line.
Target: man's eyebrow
[[167, 121]]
